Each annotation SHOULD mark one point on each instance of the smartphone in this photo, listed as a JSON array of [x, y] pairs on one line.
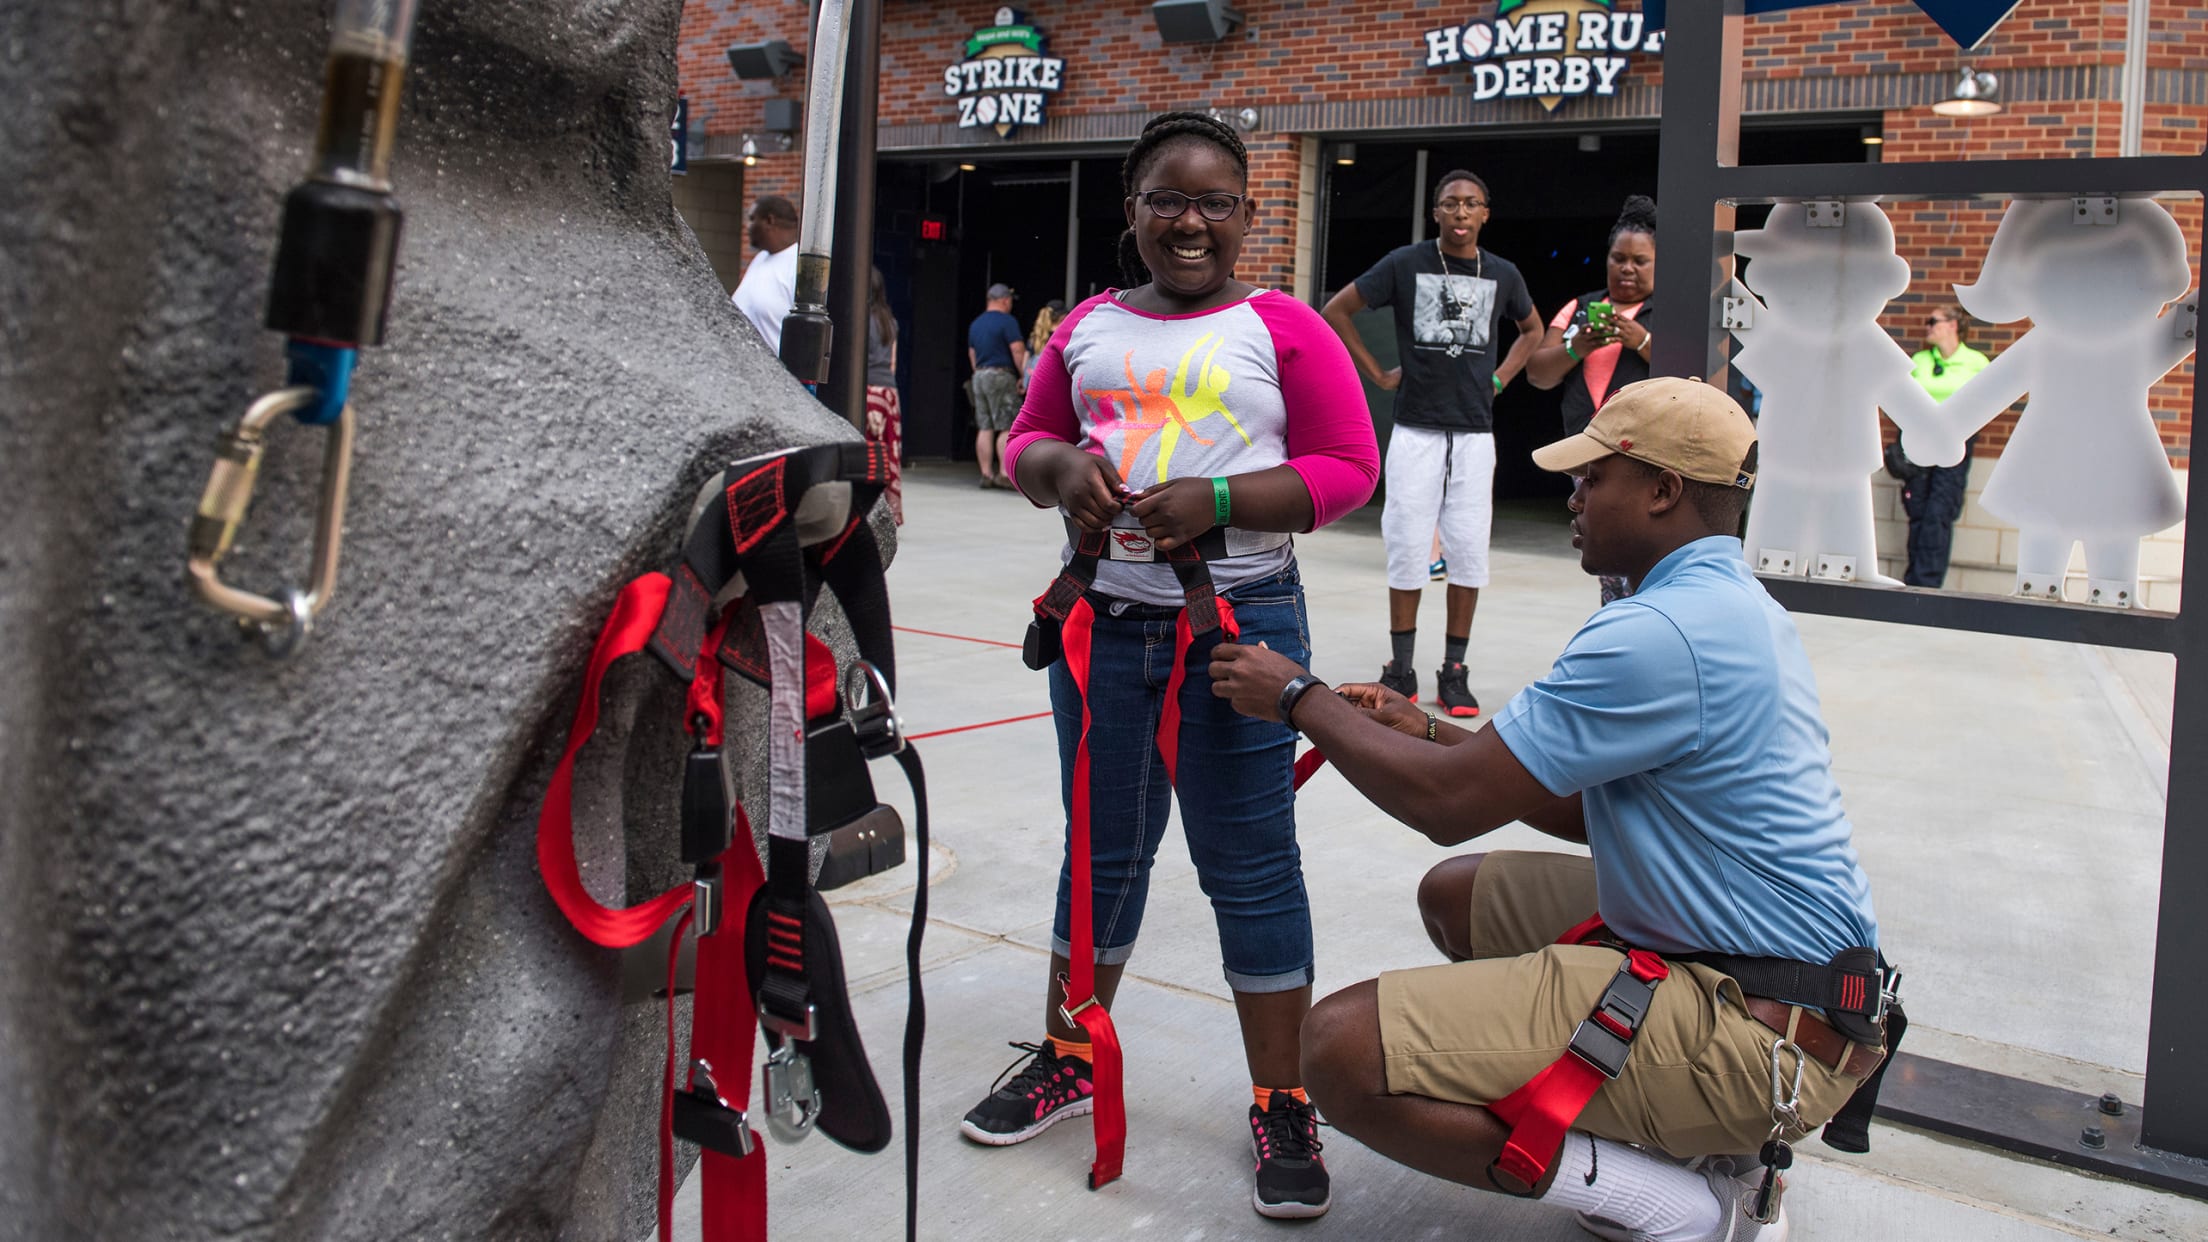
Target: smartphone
[[1598, 316]]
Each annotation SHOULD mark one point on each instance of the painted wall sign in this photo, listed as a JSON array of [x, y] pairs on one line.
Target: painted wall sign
[[1005, 77], [1550, 50]]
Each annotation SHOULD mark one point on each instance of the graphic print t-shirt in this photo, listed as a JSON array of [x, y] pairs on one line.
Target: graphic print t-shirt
[[1240, 388], [1447, 315]]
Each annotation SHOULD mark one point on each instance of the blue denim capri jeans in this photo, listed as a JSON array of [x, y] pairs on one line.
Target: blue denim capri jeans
[[1237, 791]]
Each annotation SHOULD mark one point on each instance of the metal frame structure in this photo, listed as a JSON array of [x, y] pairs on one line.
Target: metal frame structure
[[2162, 1140]]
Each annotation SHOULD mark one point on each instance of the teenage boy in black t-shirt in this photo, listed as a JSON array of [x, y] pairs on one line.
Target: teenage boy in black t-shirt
[[1450, 298]]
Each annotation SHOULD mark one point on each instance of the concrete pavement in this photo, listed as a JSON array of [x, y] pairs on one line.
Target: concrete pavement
[[2007, 801]]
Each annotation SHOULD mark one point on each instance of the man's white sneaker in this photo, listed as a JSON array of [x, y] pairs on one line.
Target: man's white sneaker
[[1730, 1188]]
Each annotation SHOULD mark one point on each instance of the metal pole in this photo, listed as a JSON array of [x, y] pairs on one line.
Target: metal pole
[[1073, 233], [2134, 79], [806, 330], [1700, 132], [845, 391], [1418, 198]]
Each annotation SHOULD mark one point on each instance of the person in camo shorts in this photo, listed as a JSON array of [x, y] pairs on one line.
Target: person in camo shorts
[[997, 350]]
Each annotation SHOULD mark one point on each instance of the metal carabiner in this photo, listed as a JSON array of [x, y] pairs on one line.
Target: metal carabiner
[[1786, 1104], [874, 718], [793, 1101], [283, 625]]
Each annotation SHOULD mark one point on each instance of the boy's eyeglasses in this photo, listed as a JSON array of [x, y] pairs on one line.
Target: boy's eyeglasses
[[1451, 206], [1169, 204]]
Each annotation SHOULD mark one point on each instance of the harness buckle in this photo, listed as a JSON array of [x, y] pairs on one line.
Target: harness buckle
[[1071, 1016], [806, 1028], [793, 1101], [702, 1115], [874, 718], [1889, 994], [1605, 1036], [222, 508], [705, 900]]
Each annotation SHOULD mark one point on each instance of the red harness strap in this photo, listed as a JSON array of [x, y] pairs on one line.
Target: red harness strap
[[1067, 603], [1540, 1112], [723, 1023]]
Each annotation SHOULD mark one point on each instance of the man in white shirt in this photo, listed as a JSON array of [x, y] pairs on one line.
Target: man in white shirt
[[769, 286]]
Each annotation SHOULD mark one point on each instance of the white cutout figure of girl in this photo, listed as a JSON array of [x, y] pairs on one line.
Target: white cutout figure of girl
[[2085, 462], [1825, 369]]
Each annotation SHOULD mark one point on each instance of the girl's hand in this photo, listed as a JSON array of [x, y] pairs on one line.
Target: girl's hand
[[1174, 512], [1089, 489]]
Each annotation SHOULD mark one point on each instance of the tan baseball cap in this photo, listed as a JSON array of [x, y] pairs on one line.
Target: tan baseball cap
[[1679, 424]]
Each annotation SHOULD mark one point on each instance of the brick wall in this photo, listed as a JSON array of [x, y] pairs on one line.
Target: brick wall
[[1303, 51]]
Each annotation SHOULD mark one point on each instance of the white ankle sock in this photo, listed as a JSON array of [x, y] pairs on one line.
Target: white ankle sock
[[1648, 1195]]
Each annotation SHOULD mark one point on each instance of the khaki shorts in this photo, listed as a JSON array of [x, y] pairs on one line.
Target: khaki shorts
[[996, 394], [1698, 1081]]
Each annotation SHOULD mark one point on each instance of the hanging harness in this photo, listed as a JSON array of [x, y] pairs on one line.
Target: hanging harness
[[1856, 990], [776, 529]]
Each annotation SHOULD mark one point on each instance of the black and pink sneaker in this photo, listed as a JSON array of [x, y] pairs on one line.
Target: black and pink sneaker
[[1048, 1090], [1292, 1182]]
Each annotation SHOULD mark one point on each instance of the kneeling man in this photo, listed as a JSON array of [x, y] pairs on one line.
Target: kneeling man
[[1679, 737]]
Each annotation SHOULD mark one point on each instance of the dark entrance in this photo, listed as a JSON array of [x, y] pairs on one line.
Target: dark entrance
[[1002, 221], [1555, 196]]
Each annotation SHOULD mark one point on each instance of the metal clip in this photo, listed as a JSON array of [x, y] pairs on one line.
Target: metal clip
[[222, 507], [793, 1102], [1785, 1103], [2093, 209], [702, 1115], [705, 901], [1071, 1017], [1889, 994], [874, 718]]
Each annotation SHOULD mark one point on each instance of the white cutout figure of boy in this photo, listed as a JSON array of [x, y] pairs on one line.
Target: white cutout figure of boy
[[2085, 462], [1821, 273]]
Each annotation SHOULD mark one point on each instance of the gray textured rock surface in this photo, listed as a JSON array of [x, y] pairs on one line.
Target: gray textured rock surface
[[274, 957]]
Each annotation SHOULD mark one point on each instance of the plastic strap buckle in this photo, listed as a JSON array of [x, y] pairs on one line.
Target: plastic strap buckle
[[1604, 1038]]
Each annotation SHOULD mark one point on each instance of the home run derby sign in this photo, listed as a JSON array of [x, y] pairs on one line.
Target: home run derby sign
[[1548, 50], [1005, 76]]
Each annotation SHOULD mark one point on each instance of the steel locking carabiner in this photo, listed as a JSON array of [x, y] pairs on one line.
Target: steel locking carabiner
[[283, 625]]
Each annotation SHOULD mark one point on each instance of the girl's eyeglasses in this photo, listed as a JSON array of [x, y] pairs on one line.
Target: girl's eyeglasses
[[1169, 204]]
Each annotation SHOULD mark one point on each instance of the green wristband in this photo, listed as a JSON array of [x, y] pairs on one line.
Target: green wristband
[[1498, 383], [1569, 354], [1221, 502]]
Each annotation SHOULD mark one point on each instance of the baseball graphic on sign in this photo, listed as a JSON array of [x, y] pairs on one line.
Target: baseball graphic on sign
[[1479, 40], [1005, 78]]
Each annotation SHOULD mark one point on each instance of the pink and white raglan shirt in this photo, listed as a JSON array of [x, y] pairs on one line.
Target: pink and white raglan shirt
[[1232, 390]]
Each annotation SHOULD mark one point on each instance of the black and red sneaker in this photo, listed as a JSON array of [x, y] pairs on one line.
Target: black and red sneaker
[[1049, 1089], [1456, 696], [1399, 678], [1292, 1182]]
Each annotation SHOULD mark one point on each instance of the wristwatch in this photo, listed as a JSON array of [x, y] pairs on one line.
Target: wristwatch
[[1292, 692]]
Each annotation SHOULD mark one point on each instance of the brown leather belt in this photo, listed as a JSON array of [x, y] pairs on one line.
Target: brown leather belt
[[1816, 1037]]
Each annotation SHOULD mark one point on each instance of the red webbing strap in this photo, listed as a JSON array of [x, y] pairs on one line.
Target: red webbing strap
[[667, 1091], [723, 1029], [1169, 719], [1540, 1112], [1308, 763], [1110, 1116], [635, 615]]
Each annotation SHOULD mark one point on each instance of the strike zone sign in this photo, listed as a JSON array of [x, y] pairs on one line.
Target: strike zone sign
[[1550, 50], [1005, 78]]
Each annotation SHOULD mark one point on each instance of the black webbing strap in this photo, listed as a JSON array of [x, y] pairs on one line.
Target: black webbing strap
[[1851, 988]]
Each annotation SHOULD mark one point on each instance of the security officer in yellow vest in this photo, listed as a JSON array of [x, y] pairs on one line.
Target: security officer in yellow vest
[[1933, 495]]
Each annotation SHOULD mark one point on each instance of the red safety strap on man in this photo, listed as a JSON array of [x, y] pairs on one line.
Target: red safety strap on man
[[1540, 1112]]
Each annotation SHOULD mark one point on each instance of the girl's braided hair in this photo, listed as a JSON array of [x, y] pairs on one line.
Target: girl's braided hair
[[1163, 130], [1637, 216]]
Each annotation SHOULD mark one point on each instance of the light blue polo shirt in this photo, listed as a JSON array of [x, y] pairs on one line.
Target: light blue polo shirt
[[1686, 714]]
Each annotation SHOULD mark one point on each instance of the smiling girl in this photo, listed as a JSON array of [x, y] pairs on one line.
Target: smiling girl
[[1189, 402]]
